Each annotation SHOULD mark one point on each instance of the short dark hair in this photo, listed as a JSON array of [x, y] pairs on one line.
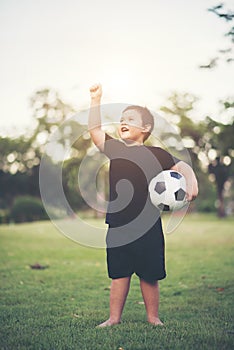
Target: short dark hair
[[146, 116]]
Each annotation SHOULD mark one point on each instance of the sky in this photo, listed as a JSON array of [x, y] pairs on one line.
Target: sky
[[139, 50]]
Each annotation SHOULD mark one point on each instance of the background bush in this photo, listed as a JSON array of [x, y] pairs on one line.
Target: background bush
[[28, 208]]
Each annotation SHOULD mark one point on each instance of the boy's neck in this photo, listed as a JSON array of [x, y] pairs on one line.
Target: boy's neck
[[133, 143]]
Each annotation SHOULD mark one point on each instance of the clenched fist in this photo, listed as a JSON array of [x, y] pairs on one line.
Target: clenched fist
[[96, 92]]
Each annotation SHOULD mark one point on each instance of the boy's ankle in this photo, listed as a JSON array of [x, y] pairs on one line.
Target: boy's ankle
[[109, 322], [155, 321]]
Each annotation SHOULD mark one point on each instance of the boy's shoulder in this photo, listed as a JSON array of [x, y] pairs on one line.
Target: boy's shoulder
[[155, 149]]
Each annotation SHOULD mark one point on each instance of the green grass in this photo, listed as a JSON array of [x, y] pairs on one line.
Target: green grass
[[59, 307]]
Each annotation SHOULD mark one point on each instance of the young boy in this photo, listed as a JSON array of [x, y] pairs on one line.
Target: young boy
[[135, 242]]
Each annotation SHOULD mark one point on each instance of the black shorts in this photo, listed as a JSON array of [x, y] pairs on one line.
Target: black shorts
[[144, 256]]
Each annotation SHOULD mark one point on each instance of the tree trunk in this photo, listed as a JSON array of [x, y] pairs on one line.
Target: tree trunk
[[221, 209]]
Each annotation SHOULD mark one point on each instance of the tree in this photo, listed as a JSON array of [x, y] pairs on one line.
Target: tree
[[56, 125], [21, 157], [225, 54], [19, 167], [221, 166], [210, 144]]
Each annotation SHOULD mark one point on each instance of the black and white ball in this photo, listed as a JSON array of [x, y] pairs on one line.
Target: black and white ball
[[168, 190]]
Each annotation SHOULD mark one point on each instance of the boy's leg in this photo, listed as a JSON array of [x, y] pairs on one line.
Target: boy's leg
[[150, 293], [118, 295]]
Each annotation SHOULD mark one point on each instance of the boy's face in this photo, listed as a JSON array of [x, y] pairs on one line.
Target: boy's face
[[131, 127]]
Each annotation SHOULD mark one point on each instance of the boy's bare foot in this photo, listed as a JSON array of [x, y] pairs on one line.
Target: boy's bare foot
[[156, 322], [107, 323]]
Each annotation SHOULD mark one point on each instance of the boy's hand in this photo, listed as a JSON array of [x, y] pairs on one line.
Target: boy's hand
[[94, 124], [190, 177], [96, 92]]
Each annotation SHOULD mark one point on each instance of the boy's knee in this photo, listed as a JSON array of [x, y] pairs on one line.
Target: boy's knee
[[149, 281]]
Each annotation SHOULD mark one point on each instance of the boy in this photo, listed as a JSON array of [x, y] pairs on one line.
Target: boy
[[135, 242]]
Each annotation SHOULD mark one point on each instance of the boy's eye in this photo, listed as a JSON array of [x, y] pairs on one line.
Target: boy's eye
[[128, 120]]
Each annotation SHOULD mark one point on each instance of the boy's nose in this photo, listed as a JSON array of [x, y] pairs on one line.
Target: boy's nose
[[123, 122]]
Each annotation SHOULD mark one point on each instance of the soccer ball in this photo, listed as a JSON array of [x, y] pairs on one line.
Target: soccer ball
[[168, 190]]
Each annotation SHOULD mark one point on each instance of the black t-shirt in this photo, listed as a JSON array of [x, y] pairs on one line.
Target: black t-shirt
[[131, 170]]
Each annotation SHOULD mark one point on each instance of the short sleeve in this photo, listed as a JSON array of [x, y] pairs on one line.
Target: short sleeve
[[166, 159], [113, 148]]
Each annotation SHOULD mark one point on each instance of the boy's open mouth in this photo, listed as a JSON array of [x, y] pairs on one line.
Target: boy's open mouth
[[124, 128]]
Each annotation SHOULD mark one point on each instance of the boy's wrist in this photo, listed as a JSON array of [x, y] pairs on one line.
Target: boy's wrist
[[95, 101], [96, 94]]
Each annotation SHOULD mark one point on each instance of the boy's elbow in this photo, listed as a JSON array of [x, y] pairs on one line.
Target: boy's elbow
[[196, 188], [183, 168], [98, 137]]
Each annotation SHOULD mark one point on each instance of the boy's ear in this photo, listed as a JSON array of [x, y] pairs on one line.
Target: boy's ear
[[147, 128]]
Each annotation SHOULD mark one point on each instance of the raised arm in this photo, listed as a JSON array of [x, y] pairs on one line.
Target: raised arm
[[94, 124], [190, 177]]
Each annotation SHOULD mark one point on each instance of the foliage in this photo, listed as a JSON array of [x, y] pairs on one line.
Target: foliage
[[4, 216], [27, 208], [210, 144], [50, 111], [20, 183], [18, 155], [21, 157], [57, 127], [59, 307], [225, 54], [206, 200]]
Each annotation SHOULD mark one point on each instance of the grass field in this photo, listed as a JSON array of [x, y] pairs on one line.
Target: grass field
[[59, 307]]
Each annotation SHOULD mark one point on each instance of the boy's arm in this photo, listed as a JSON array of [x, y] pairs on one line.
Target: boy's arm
[[190, 177], [94, 123]]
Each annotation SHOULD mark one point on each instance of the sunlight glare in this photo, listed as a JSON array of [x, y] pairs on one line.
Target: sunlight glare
[[118, 85]]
